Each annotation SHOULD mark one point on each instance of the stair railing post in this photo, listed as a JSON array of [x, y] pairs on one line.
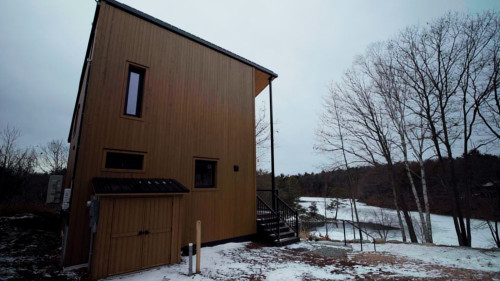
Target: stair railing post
[[297, 223]]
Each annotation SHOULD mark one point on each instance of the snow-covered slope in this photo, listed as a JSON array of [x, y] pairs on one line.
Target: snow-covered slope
[[442, 226]]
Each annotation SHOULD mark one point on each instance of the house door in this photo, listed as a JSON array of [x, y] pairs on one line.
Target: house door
[[158, 224], [141, 234], [126, 244]]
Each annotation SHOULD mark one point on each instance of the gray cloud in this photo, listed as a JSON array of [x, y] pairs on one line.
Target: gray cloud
[[309, 44]]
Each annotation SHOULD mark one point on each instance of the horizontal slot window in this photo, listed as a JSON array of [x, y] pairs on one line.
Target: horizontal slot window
[[125, 161]]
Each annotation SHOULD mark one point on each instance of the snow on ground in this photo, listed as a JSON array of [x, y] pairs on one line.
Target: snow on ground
[[233, 261], [457, 257], [442, 226], [254, 261]]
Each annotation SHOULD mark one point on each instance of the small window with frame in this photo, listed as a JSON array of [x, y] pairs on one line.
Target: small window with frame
[[123, 160], [135, 91], [205, 172]]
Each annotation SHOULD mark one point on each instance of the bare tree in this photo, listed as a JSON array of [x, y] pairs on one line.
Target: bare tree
[[369, 128], [14, 160], [384, 222], [262, 134], [54, 156], [8, 148], [331, 129], [493, 226], [379, 65], [447, 67], [485, 70], [416, 133]]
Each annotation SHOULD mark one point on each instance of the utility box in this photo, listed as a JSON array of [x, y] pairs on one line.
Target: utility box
[[54, 189]]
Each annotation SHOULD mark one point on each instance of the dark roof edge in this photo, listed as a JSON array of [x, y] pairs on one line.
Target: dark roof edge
[[89, 45], [187, 35]]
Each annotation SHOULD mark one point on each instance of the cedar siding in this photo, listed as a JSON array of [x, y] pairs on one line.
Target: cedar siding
[[198, 103]]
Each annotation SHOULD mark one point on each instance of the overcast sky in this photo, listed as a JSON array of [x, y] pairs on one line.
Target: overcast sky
[[308, 43]]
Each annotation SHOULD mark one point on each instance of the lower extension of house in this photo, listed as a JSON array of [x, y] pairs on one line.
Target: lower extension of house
[[162, 135]]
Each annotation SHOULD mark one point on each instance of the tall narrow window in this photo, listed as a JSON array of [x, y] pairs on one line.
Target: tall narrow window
[[135, 89]]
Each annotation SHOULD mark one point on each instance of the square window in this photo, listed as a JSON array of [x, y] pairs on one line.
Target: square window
[[135, 89], [205, 173]]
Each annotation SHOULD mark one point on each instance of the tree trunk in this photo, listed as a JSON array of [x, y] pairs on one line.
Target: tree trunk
[[337, 208], [401, 202], [426, 200], [326, 217], [400, 221], [357, 221], [417, 202], [413, 188], [352, 217]]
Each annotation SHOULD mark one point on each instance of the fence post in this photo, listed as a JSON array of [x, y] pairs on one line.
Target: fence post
[[297, 223], [345, 241], [374, 247]]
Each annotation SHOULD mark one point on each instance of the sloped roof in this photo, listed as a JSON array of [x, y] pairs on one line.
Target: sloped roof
[[137, 186], [187, 35]]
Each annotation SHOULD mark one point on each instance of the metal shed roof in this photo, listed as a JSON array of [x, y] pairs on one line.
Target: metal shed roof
[[137, 186]]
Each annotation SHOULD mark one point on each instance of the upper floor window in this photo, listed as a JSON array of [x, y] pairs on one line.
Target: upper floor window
[[135, 89]]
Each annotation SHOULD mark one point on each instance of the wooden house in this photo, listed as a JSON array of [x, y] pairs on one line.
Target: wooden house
[[162, 135]]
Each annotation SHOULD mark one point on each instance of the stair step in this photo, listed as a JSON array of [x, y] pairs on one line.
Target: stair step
[[272, 224], [287, 241], [266, 219], [269, 229], [285, 234]]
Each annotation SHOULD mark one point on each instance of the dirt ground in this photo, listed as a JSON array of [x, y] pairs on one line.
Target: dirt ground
[[30, 248], [373, 265]]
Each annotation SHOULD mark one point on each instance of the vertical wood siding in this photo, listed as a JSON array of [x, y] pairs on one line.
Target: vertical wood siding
[[119, 247], [197, 103]]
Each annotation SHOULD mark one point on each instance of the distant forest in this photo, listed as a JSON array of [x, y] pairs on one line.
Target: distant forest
[[373, 185]]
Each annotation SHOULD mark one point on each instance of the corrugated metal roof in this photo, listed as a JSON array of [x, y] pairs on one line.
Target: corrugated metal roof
[[130, 186], [188, 35]]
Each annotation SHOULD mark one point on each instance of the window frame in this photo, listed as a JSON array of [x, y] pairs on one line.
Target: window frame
[[104, 157], [132, 68], [216, 183], [124, 91]]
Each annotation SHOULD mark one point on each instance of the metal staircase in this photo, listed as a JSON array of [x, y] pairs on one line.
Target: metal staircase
[[278, 226]]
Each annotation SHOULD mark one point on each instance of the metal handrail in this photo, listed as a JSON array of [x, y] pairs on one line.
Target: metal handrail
[[352, 223], [292, 222], [275, 228]]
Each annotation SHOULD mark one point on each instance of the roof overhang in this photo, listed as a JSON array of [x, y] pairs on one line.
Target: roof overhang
[[261, 80], [131, 186]]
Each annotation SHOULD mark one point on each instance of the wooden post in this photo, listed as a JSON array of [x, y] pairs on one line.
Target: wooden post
[[198, 246]]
